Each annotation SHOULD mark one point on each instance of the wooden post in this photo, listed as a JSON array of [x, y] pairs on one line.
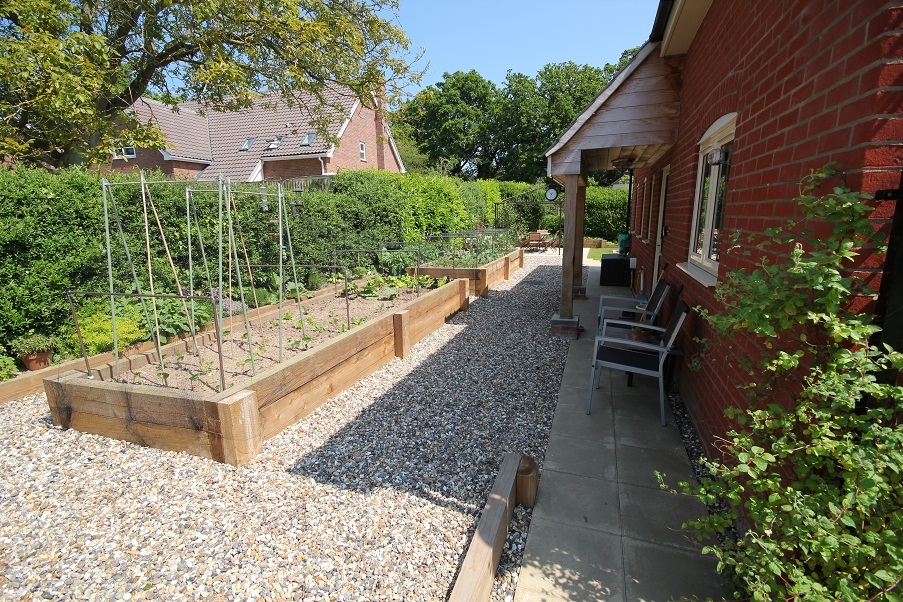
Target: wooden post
[[464, 294], [579, 230], [572, 185], [402, 334], [240, 438], [507, 268], [527, 481]]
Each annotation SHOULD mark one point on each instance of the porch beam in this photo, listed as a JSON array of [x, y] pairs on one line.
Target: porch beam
[[572, 260]]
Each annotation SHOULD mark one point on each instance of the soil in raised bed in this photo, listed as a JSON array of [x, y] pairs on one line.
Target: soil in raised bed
[[323, 317]]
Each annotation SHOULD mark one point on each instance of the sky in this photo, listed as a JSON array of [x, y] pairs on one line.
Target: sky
[[493, 36]]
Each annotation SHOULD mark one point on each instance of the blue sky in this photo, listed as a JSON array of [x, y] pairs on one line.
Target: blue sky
[[493, 36]]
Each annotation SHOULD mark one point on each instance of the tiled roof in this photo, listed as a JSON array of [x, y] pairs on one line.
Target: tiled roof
[[186, 130], [269, 117]]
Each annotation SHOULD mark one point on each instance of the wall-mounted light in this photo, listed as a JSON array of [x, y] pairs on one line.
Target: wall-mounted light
[[719, 156], [623, 164]]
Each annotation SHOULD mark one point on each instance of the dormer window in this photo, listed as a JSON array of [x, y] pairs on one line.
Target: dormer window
[[125, 152], [275, 142], [247, 144], [308, 139]]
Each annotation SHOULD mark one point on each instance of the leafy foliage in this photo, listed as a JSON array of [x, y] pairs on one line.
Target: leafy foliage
[[32, 342], [97, 327], [606, 212], [469, 127], [52, 238], [70, 68], [7, 366], [815, 465]]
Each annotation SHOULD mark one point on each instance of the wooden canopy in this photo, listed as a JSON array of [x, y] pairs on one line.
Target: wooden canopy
[[632, 123]]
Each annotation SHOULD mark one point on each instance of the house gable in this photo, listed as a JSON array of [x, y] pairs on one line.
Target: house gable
[[634, 119], [268, 140]]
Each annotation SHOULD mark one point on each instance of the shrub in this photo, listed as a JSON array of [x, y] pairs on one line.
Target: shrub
[[7, 367], [818, 480], [32, 342], [606, 212], [97, 328], [51, 240]]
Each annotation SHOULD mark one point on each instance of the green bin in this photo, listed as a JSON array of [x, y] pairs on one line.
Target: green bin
[[624, 244]]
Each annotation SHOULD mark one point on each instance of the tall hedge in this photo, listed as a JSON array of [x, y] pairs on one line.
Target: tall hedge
[[52, 232], [50, 240], [606, 212]]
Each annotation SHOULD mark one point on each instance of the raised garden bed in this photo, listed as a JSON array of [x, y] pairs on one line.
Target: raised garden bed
[[230, 426], [483, 278]]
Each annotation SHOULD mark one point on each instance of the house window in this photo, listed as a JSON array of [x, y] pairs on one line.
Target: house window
[[125, 152], [275, 142], [715, 153], [247, 144], [308, 138], [363, 151]]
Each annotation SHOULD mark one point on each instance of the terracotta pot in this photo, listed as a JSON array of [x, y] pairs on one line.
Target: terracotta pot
[[36, 361]]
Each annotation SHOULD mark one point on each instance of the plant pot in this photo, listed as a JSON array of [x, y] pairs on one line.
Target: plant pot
[[36, 361]]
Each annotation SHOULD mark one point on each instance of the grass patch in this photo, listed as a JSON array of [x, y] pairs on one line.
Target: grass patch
[[596, 254]]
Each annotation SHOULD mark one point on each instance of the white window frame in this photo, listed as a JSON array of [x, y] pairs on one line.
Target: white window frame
[[125, 152], [648, 236], [363, 148], [720, 133], [639, 226]]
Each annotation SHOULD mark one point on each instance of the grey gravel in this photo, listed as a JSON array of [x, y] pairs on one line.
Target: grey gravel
[[375, 496]]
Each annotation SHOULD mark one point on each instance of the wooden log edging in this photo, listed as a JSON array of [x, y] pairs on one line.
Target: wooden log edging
[[231, 426], [512, 486]]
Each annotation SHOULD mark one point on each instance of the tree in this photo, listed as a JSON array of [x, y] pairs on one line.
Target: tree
[[489, 132], [452, 121], [69, 69]]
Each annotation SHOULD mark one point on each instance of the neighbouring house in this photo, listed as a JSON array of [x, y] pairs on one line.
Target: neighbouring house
[[752, 95], [269, 141]]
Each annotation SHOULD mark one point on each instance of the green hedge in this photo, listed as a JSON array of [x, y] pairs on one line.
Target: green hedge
[[606, 212], [52, 233], [51, 239]]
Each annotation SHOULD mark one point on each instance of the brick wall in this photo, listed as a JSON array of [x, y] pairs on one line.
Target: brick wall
[[149, 159], [365, 126], [812, 82], [295, 168]]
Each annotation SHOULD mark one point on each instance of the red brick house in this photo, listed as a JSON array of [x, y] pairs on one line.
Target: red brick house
[[269, 141], [755, 95]]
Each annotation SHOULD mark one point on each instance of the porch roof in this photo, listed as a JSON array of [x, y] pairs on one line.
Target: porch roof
[[635, 119]]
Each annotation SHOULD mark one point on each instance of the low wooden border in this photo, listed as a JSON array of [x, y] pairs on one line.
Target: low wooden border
[[515, 483], [483, 278], [29, 383], [231, 426]]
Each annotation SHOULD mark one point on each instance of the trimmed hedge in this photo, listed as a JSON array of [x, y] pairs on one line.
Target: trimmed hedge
[[52, 233], [606, 212]]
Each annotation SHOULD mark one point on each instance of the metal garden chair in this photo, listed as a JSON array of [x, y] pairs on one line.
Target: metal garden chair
[[644, 312], [635, 357]]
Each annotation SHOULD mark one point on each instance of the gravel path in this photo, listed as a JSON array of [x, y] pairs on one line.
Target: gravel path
[[373, 497]]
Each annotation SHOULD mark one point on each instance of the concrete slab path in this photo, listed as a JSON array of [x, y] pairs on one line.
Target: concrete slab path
[[602, 528]]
